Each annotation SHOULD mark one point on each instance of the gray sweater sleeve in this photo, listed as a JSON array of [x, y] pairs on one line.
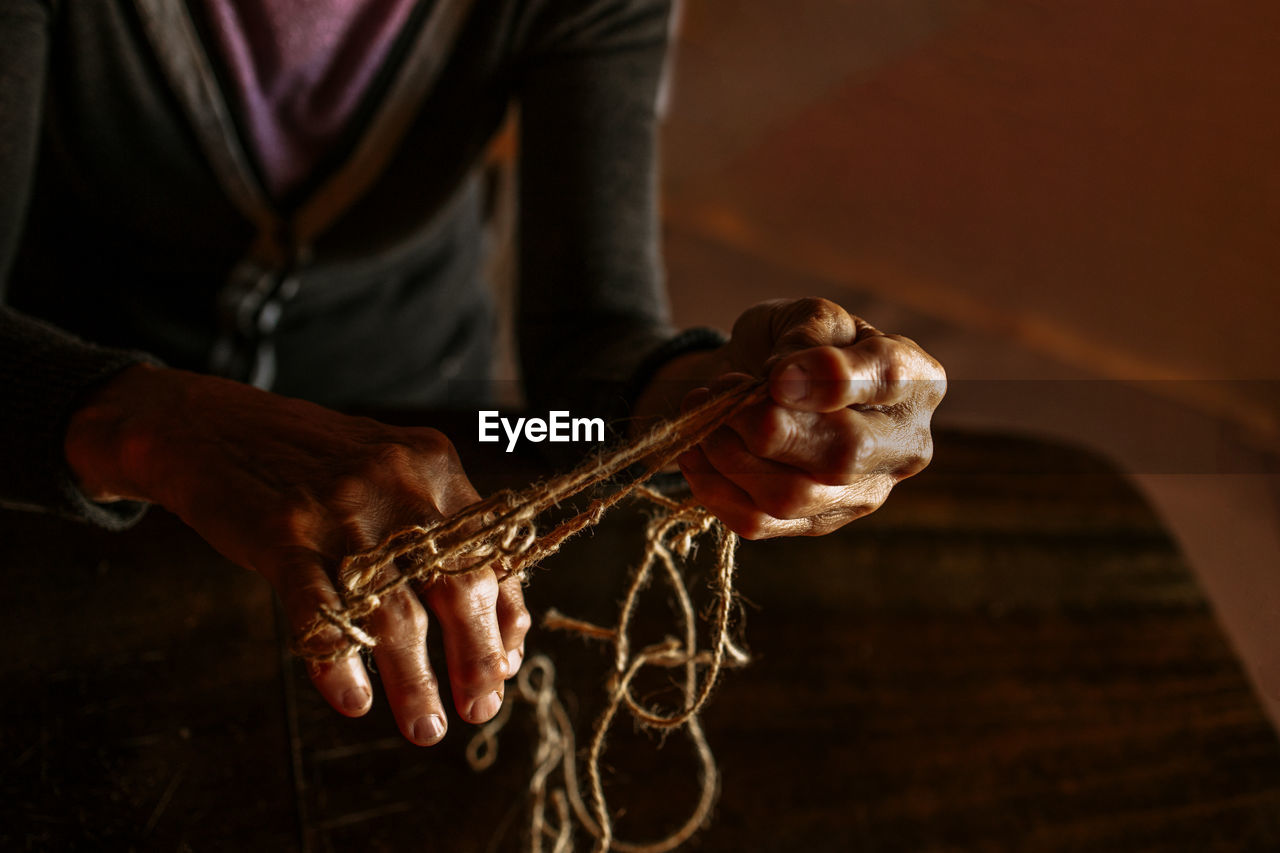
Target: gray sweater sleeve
[[44, 373], [592, 316]]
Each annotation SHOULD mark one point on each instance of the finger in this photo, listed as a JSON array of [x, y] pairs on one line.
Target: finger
[[876, 371], [465, 605], [729, 381], [779, 327], [834, 448], [928, 378], [815, 322], [304, 587], [776, 489], [365, 509], [695, 398], [513, 622], [400, 627], [728, 502], [344, 684], [733, 506]]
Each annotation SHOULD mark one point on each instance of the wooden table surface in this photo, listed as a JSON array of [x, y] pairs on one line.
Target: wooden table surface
[[1010, 655]]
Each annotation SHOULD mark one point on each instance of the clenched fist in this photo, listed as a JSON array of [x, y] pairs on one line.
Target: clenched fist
[[848, 418]]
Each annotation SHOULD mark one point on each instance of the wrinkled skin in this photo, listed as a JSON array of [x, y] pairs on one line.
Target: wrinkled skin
[[288, 488], [849, 418]]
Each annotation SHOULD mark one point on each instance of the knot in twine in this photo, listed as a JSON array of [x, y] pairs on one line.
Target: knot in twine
[[500, 533]]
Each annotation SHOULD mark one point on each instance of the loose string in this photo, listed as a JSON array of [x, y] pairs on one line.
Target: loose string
[[500, 533], [670, 540]]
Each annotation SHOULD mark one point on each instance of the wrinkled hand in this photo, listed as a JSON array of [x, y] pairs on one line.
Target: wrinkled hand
[[287, 489], [849, 418]]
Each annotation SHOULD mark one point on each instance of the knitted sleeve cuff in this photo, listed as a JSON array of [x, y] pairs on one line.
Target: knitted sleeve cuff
[[690, 340], [45, 374]]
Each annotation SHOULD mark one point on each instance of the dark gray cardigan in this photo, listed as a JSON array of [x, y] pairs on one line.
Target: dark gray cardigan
[[131, 216]]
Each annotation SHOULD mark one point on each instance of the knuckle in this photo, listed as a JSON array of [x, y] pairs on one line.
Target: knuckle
[[482, 671], [873, 493], [770, 434], [293, 522], [854, 455], [893, 375], [881, 494], [354, 509], [481, 595], [431, 436], [919, 458], [393, 457], [470, 594], [828, 361], [413, 684], [892, 360], [902, 362], [440, 469], [402, 615], [813, 321], [877, 346], [865, 495], [902, 340], [350, 491], [843, 377], [936, 386], [521, 621], [911, 352], [435, 443], [924, 394], [810, 305], [817, 309]]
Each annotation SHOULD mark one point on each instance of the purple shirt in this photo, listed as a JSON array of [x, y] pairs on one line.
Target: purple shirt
[[300, 69]]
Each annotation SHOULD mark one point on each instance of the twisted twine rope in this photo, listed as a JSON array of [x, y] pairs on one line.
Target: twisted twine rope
[[670, 539], [500, 533]]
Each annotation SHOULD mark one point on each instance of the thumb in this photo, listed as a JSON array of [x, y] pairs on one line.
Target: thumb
[[827, 378]]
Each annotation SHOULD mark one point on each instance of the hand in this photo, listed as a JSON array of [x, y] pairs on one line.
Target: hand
[[849, 418], [287, 489]]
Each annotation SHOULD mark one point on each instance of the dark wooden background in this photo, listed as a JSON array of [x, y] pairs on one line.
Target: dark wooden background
[[1010, 655]]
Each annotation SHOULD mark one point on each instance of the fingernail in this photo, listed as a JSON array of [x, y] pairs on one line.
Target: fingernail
[[428, 729], [793, 384], [355, 699], [485, 707], [515, 657], [695, 398]]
